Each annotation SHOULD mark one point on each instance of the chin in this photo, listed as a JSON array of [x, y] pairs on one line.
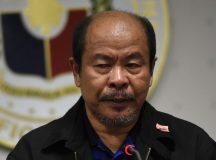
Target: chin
[[117, 119]]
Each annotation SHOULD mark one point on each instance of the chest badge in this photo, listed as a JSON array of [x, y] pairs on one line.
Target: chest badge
[[162, 128]]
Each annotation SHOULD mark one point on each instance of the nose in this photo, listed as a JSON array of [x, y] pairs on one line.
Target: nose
[[118, 78]]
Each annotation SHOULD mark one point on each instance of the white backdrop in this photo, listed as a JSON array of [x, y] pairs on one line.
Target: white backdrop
[[187, 88]]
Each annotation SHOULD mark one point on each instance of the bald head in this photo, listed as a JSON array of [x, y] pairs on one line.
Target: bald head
[[110, 16], [114, 25]]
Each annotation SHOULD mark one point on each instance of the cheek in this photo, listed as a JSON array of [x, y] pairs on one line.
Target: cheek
[[91, 82], [141, 84]]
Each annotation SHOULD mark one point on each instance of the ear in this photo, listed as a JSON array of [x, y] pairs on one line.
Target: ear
[[152, 71], [75, 70]]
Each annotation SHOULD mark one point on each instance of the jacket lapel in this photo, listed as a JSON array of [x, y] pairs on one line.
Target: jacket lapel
[[72, 134], [150, 136]]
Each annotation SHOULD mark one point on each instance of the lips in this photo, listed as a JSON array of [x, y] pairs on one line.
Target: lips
[[119, 100], [117, 97], [118, 104]]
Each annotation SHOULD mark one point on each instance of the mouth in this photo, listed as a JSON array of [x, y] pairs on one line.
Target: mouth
[[117, 99], [118, 104]]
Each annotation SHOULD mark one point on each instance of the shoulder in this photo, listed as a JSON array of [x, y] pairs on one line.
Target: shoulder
[[177, 125], [32, 142], [186, 134], [55, 131]]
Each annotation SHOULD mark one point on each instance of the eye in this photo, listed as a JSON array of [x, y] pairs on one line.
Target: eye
[[134, 68], [102, 65], [102, 68], [133, 65]]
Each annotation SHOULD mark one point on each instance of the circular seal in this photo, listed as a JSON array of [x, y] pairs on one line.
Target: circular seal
[[36, 85]]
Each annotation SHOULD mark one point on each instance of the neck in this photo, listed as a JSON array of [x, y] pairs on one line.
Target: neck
[[112, 136]]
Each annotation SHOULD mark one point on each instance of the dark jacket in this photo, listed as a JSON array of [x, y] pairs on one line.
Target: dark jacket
[[66, 139]]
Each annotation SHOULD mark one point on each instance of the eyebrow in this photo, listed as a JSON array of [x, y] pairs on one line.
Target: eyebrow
[[135, 55], [132, 56], [102, 57]]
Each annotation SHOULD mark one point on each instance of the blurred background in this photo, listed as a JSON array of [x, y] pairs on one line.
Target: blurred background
[[187, 87]]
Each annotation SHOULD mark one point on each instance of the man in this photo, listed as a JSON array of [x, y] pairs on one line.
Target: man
[[113, 62]]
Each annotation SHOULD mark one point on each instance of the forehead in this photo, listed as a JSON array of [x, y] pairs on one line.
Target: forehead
[[115, 26]]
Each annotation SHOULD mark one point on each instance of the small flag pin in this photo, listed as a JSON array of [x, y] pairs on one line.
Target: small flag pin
[[162, 128]]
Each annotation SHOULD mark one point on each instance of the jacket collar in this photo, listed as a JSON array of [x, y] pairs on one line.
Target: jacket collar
[[159, 140], [69, 128], [72, 134]]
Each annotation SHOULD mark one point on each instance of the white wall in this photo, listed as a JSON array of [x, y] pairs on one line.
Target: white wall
[[187, 87]]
